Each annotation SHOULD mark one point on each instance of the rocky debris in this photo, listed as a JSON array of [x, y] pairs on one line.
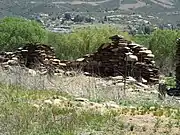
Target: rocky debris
[[79, 103], [111, 104], [33, 56], [82, 99], [48, 102], [103, 108], [113, 81], [120, 58], [32, 72], [142, 85], [130, 79], [57, 102], [117, 78]]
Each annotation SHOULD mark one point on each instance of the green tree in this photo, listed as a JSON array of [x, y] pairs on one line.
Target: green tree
[[16, 31], [82, 40], [163, 45]]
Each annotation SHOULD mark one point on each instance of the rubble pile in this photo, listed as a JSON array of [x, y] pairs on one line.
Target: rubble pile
[[120, 58], [34, 56]]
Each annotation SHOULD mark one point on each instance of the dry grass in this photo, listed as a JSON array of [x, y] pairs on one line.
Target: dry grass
[[24, 112], [79, 85]]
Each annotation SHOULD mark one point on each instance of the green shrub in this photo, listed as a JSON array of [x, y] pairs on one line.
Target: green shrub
[[170, 81], [81, 41], [163, 45], [16, 31], [141, 39]]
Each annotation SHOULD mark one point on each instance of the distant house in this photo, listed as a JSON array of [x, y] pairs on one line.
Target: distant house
[[61, 29], [43, 15]]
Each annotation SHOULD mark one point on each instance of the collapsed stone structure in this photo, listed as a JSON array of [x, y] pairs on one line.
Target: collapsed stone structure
[[34, 56], [118, 58]]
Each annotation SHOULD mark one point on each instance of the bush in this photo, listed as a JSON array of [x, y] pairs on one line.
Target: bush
[[16, 31], [163, 45], [81, 41], [141, 39]]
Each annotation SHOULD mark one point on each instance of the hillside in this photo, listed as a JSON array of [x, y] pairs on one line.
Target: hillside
[[97, 8]]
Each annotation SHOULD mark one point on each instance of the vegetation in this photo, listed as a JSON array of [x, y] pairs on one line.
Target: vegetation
[[163, 45], [27, 112], [16, 31], [82, 41], [35, 112], [170, 82]]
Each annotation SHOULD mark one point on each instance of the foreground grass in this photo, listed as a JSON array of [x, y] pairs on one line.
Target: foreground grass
[[24, 112], [19, 116]]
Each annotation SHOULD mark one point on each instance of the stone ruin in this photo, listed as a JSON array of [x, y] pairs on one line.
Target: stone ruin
[[34, 56], [118, 58]]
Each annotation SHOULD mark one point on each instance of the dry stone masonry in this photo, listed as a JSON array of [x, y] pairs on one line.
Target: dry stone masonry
[[34, 56], [117, 58], [120, 58]]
